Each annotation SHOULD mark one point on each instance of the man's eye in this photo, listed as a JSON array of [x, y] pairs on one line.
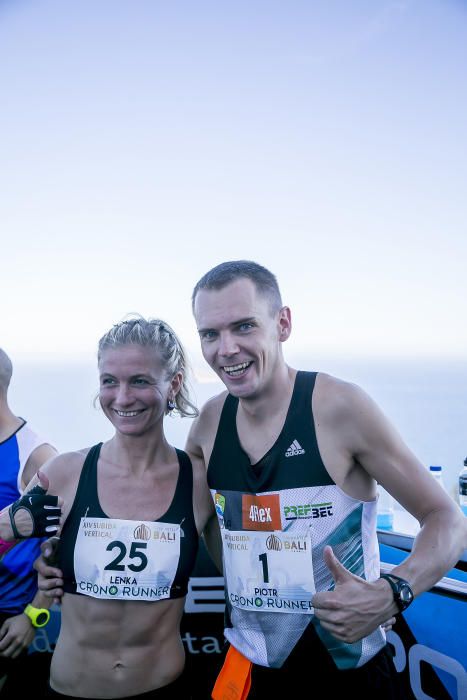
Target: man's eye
[[208, 335], [245, 326], [107, 381], [140, 381]]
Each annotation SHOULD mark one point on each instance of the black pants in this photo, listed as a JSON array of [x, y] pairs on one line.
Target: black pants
[[376, 680], [177, 690], [310, 672]]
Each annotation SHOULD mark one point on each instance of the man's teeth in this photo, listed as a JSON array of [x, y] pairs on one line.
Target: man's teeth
[[233, 370], [127, 414]]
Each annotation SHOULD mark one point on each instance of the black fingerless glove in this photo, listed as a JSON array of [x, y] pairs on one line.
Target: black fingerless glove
[[43, 509]]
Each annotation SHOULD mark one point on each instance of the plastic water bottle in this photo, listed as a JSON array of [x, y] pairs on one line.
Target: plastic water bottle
[[463, 487], [437, 473], [385, 511]]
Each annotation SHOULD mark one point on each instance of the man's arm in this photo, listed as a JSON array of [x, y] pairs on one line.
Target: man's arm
[[199, 436], [49, 578], [17, 632], [212, 539], [374, 449], [383, 455]]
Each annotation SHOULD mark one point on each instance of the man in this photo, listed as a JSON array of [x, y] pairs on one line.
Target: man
[[22, 453], [292, 461]]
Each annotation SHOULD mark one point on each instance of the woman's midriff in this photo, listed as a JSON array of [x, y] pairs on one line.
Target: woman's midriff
[[111, 648]]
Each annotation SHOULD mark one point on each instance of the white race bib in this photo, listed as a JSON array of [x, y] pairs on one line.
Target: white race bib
[[269, 571], [126, 559]]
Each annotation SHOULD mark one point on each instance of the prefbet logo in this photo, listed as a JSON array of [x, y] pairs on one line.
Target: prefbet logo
[[307, 511], [261, 512]]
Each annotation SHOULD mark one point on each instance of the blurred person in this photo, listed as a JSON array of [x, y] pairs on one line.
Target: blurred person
[[22, 607]]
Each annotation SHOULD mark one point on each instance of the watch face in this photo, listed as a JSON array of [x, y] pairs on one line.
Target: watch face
[[41, 618], [405, 594]]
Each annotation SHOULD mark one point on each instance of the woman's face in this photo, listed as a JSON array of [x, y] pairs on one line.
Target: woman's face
[[134, 388]]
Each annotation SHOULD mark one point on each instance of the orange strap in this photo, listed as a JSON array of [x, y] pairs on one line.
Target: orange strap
[[234, 679]]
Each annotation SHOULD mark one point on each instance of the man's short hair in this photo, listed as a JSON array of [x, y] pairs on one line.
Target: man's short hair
[[225, 273]]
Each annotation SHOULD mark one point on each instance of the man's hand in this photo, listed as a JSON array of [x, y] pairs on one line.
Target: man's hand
[[355, 608], [16, 634], [35, 514], [49, 578]]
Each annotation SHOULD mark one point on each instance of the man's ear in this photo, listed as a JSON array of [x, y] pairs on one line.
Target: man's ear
[[284, 320]]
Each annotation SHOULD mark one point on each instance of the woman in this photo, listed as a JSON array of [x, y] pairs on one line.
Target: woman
[[133, 508]]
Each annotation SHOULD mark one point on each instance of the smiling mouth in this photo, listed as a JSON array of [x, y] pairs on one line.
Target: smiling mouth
[[127, 414], [236, 370]]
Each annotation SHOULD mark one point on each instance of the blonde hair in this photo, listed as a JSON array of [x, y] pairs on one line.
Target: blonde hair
[[156, 334]]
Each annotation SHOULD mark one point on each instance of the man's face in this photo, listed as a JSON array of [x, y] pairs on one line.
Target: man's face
[[240, 336]]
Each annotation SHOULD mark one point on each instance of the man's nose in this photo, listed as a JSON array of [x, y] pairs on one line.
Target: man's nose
[[227, 345]]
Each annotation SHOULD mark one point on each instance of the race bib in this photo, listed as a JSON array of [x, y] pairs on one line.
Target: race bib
[[269, 571], [126, 559]]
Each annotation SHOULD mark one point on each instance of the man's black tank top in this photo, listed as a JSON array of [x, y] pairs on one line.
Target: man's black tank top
[[294, 461], [294, 478], [86, 504]]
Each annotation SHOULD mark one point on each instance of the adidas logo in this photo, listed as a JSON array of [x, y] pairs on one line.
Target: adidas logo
[[295, 449]]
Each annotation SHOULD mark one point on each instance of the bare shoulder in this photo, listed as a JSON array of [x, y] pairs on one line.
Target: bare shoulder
[[212, 408], [334, 397], [344, 412], [203, 431]]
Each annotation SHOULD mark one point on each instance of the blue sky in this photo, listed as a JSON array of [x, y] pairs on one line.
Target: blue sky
[[143, 142]]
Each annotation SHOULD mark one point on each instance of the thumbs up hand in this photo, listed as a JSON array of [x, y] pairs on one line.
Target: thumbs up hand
[[355, 607], [35, 514]]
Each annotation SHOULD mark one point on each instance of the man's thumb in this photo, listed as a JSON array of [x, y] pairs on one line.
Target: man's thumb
[[338, 571], [43, 480]]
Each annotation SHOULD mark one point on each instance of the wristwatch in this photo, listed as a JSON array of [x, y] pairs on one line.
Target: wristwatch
[[39, 616], [403, 594]]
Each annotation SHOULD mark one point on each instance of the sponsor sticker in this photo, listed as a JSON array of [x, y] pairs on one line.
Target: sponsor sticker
[[261, 512]]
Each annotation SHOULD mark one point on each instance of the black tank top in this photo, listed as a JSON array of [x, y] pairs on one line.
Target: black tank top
[[86, 504], [294, 461], [292, 476]]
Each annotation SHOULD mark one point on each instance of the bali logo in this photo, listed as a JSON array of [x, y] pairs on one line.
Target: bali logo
[[142, 532], [273, 542]]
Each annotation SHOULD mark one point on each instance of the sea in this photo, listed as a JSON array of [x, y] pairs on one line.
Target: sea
[[426, 401]]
